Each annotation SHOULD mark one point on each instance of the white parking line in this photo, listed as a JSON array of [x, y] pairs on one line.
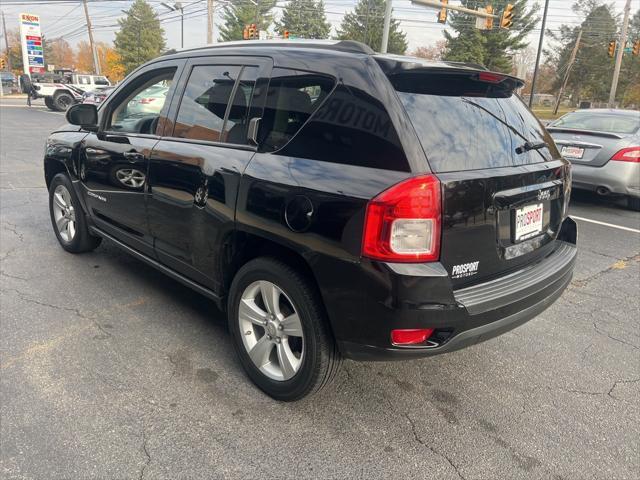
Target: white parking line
[[620, 227]]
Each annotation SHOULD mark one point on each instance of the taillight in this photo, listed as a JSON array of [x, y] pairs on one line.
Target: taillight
[[146, 100], [402, 223], [629, 154], [410, 336], [490, 77]]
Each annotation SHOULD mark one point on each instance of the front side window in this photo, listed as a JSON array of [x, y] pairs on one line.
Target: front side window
[[140, 109], [84, 80], [292, 97], [207, 111]]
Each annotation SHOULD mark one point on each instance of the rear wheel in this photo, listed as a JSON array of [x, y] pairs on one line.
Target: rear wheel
[[633, 203], [68, 218], [279, 330], [62, 101]]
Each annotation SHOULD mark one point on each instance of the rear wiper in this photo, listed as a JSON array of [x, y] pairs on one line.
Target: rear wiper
[[531, 146]]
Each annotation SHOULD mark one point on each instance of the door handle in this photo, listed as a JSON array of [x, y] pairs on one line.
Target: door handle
[[133, 156]]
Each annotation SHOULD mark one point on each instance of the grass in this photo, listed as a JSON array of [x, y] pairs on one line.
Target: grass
[[546, 113]]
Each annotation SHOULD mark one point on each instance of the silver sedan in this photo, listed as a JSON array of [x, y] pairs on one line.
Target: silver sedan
[[603, 146]]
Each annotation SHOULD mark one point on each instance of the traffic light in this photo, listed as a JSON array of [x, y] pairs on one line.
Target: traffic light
[[612, 48], [245, 32], [442, 14], [635, 51], [253, 31], [285, 34], [489, 21], [3, 64], [507, 17]]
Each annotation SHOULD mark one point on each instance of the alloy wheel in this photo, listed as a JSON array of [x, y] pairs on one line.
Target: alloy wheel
[[271, 330], [64, 213]]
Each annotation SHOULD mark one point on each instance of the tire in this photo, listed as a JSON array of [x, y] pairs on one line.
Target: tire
[[633, 203], [62, 101], [48, 101], [67, 217], [315, 350]]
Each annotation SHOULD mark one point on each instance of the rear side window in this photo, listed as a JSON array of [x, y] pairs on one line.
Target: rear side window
[[292, 97], [467, 124], [352, 128], [600, 122]]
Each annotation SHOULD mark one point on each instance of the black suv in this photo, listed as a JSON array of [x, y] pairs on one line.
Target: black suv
[[333, 201]]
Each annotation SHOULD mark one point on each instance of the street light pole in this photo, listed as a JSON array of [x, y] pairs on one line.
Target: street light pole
[[174, 8], [387, 26]]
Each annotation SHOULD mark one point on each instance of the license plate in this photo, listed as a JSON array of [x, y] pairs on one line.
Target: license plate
[[528, 222], [572, 152]]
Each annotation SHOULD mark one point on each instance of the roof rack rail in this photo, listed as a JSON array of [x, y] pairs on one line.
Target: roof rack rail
[[339, 45]]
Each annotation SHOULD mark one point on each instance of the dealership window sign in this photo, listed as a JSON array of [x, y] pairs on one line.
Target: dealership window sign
[[31, 41]]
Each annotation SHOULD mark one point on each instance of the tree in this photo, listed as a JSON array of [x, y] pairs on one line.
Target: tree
[[629, 86], [15, 50], [140, 38], [592, 71], [493, 48], [239, 14], [305, 19], [58, 53], [365, 25], [434, 53], [113, 68], [84, 57]]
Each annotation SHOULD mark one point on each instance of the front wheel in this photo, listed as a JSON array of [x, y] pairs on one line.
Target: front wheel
[[68, 218], [279, 330]]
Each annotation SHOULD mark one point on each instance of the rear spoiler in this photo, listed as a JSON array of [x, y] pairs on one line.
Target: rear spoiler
[[585, 132], [394, 65]]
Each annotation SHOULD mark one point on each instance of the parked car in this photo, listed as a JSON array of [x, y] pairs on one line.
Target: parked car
[[97, 96], [333, 201], [604, 147], [8, 81]]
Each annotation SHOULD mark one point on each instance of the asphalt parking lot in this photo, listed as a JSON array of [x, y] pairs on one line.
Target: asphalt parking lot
[[111, 370]]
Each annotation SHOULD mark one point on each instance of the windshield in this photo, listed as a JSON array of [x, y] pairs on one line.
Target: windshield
[[600, 122], [465, 126]]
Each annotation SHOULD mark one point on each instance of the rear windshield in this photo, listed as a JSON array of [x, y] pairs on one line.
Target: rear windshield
[[466, 124], [600, 122]]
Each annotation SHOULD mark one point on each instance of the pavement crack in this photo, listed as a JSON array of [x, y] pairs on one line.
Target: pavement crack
[[618, 382], [615, 266], [615, 339], [23, 296], [16, 277], [13, 228], [429, 447], [145, 451]]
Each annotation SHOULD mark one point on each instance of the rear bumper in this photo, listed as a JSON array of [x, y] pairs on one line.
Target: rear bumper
[[621, 178], [470, 316]]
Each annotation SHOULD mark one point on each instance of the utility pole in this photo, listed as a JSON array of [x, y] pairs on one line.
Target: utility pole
[[566, 76], [621, 45], [385, 29], [209, 22], [535, 70], [96, 63], [6, 43]]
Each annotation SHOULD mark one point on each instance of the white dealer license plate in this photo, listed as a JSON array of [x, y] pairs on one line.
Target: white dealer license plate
[[572, 152], [528, 222]]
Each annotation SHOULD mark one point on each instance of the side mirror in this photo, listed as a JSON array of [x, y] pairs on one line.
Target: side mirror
[[84, 115], [252, 131]]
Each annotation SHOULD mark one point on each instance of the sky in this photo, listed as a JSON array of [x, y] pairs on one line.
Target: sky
[[65, 18]]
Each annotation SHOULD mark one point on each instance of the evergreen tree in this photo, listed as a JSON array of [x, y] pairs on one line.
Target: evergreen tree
[[140, 38], [493, 48], [239, 14], [592, 71], [305, 19], [365, 25]]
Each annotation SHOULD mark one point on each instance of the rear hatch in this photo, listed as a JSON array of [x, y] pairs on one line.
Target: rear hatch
[[591, 138], [504, 183]]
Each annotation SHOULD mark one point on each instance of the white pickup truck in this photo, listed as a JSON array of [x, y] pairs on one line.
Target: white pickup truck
[[60, 95]]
